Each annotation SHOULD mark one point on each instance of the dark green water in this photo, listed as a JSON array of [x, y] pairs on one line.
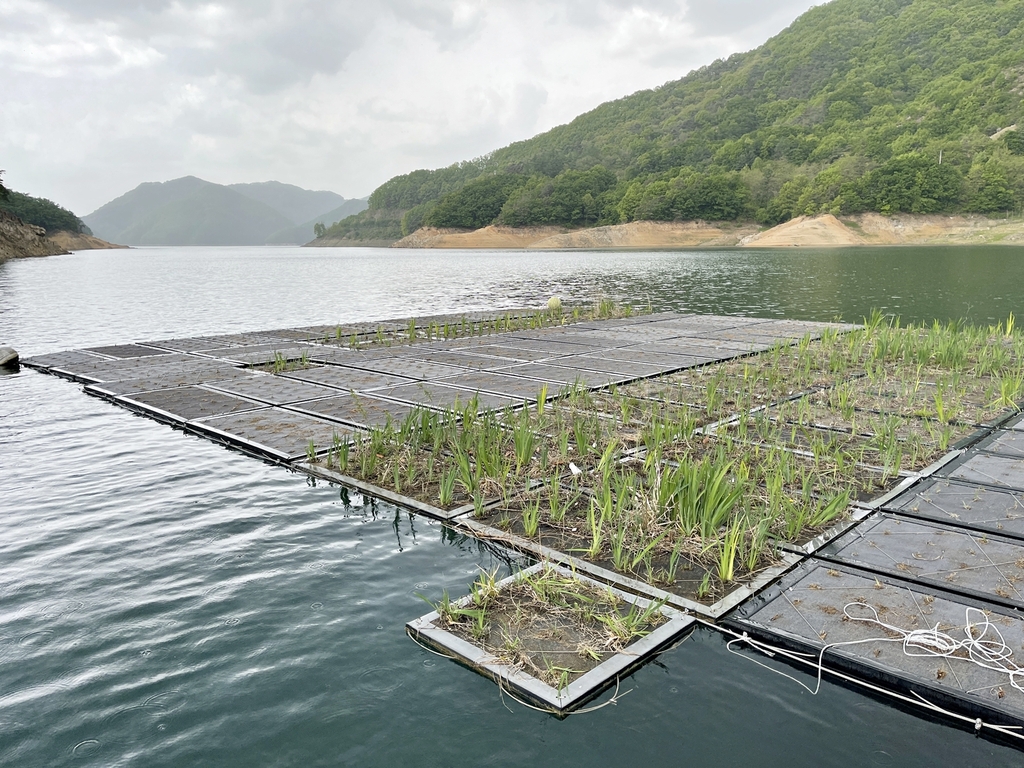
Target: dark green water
[[168, 602]]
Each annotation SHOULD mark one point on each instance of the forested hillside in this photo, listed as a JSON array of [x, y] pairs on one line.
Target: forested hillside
[[40, 212], [860, 105]]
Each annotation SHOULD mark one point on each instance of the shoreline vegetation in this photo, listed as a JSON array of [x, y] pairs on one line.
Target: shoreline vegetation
[[821, 231]]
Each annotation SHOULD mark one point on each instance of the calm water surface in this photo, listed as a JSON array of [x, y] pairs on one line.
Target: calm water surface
[[167, 602]]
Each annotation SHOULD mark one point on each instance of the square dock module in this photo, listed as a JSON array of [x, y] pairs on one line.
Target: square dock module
[[980, 565], [987, 510], [550, 641], [181, 404], [273, 432], [894, 634], [273, 390], [430, 394], [345, 378], [355, 409]]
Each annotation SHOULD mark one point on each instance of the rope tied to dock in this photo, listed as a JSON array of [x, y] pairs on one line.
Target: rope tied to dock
[[993, 654]]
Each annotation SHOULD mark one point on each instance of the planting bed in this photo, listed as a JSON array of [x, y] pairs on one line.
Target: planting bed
[[689, 459], [551, 637]]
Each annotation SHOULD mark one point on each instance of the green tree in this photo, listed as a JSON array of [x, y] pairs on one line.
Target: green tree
[[42, 213], [4, 193], [988, 188], [1014, 141], [571, 198], [319, 230], [476, 204], [910, 183]]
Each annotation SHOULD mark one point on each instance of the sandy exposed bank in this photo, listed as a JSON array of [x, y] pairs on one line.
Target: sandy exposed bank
[[488, 237], [69, 241], [340, 242], [823, 231], [960, 229], [637, 234], [817, 232], [651, 234], [901, 229]]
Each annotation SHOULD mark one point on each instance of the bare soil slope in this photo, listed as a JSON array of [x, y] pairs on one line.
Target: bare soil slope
[[18, 239], [651, 234], [816, 231], [963, 229], [69, 241], [488, 237], [822, 231]]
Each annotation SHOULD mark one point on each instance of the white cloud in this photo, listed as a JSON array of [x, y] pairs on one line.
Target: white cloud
[[100, 95]]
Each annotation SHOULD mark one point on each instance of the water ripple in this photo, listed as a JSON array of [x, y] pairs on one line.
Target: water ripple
[[165, 601]]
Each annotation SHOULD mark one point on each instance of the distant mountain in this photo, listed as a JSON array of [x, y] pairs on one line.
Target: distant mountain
[[191, 211], [303, 233], [295, 203], [112, 219], [212, 215]]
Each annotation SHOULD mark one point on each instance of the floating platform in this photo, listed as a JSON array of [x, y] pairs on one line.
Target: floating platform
[[317, 386], [938, 548]]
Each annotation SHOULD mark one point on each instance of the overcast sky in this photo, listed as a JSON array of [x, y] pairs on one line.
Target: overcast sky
[[98, 96]]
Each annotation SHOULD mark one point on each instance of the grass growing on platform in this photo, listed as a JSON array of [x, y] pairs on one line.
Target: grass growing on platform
[[689, 481], [552, 625], [414, 331]]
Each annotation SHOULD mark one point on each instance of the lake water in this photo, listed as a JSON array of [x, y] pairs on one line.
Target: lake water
[[165, 601]]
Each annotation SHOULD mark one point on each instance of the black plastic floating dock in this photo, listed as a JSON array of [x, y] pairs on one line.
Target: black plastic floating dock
[[924, 580], [281, 393], [899, 635]]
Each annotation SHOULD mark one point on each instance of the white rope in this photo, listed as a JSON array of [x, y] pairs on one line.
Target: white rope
[[982, 645], [992, 654]]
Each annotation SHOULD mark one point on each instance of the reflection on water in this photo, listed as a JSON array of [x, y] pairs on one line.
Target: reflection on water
[[168, 602]]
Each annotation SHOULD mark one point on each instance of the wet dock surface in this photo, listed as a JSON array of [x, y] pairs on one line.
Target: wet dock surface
[[946, 554]]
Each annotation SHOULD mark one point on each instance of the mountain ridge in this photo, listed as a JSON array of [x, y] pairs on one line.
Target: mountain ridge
[[192, 211], [891, 106]]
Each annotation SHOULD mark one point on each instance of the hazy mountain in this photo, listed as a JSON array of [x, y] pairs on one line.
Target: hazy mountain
[[298, 205], [303, 233], [191, 211], [212, 215], [112, 219]]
